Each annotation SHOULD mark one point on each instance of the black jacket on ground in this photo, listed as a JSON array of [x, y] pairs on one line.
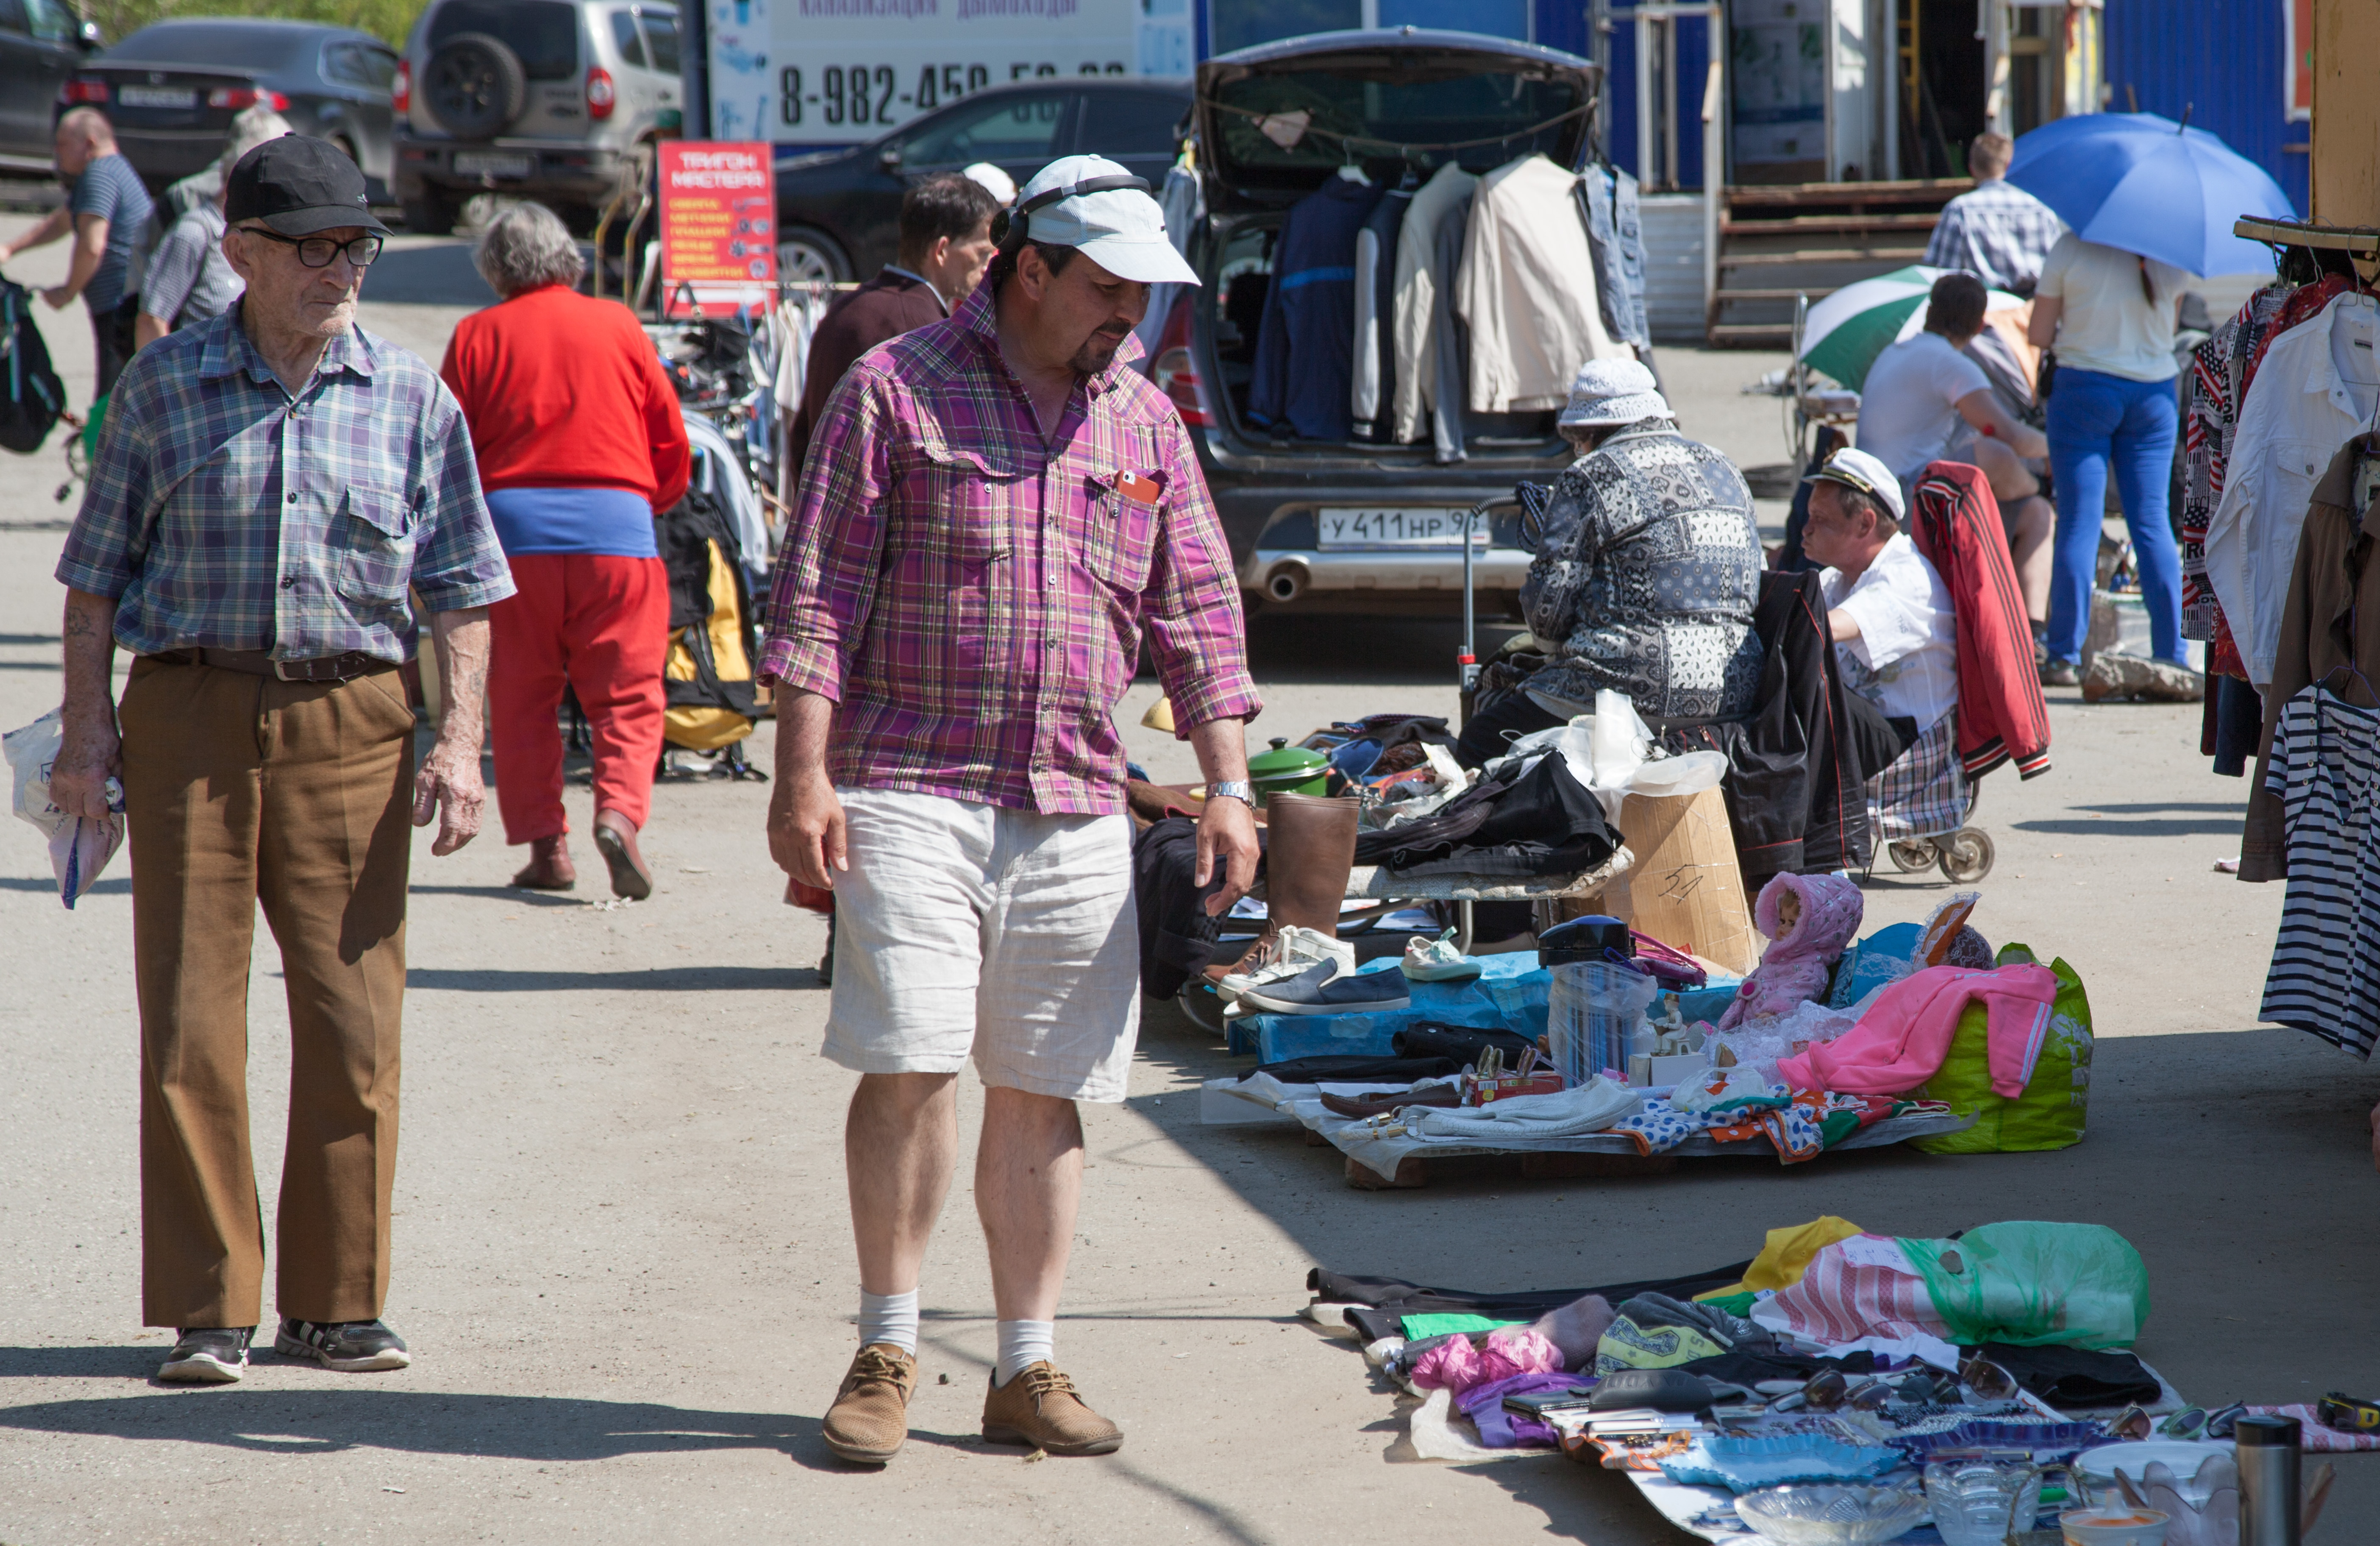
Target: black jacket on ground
[[1177, 938]]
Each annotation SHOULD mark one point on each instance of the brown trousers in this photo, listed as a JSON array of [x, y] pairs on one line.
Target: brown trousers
[[241, 790]]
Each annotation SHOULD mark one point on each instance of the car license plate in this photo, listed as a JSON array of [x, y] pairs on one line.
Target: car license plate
[[156, 96], [470, 163], [1355, 525]]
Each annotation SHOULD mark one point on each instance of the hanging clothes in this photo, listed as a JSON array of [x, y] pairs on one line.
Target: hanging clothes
[[2210, 415], [1607, 201], [718, 472], [1424, 322], [2322, 383], [2330, 630], [1527, 291], [1306, 343], [2001, 714], [2323, 767], [1375, 275], [1184, 199]]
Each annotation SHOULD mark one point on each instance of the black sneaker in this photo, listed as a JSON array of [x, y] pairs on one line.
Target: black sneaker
[[207, 1356], [349, 1346]]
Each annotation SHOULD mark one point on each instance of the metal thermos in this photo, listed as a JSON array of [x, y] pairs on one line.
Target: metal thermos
[[2268, 1480]]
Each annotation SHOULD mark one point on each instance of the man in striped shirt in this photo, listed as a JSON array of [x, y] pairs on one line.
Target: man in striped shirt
[[998, 509]]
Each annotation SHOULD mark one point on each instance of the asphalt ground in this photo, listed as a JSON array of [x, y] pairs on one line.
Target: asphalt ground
[[623, 1258]]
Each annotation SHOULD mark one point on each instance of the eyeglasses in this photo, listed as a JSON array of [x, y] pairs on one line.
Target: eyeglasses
[[318, 251]]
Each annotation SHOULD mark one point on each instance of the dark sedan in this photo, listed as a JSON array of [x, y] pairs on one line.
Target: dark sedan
[[838, 211], [173, 88]]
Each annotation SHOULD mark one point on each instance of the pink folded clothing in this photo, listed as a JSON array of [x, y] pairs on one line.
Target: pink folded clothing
[[2316, 1438], [1902, 1040]]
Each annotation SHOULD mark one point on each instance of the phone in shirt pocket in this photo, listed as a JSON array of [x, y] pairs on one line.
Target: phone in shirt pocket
[[376, 532], [1123, 514]]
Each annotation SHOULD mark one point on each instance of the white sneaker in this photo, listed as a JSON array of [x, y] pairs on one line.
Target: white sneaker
[[1437, 960], [1285, 954]]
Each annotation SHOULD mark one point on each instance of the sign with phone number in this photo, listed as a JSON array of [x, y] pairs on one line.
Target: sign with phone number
[[830, 72]]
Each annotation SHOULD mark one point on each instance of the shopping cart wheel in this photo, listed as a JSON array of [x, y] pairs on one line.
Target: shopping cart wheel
[[1967, 854], [1911, 854]]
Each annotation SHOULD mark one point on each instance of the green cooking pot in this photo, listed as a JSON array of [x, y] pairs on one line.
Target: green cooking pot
[[1288, 770]]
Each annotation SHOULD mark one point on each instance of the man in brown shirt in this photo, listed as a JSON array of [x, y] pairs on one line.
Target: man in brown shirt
[[945, 246]]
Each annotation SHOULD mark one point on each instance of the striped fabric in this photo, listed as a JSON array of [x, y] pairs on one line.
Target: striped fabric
[[1923, 792], [974, 596], [1841, 1299], [2325, 979], [222, 512]]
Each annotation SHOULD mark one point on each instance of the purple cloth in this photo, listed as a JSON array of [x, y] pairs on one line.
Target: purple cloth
[[1499, 1429]]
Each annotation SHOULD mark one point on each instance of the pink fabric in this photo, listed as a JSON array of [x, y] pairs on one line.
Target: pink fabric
[[2316, 1438], [1794, 968], [1839, 1301], [1459, 1364], [1902, 1040]]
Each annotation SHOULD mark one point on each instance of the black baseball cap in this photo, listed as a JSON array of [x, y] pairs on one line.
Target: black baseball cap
[[298, 186]]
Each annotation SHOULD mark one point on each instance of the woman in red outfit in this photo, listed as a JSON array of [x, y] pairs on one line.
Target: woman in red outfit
[[579, 443]]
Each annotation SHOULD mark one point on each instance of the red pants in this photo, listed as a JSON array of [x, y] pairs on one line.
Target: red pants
[[600, 623]]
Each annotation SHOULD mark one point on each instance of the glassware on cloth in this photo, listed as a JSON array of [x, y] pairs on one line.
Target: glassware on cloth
[[1980, 1496], [1832, 1514]]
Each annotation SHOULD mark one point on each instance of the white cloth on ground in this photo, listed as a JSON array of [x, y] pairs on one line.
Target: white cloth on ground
[[1586, 1108]]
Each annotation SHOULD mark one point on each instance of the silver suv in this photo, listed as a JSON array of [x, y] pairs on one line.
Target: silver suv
[[540, 99]]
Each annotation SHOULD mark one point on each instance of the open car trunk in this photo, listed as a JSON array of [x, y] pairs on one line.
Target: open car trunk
[[1277, 122]]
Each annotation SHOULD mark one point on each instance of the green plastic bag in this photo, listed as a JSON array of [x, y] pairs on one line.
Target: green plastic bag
[[91, 424], [2051, 1112], [2076, 1284]]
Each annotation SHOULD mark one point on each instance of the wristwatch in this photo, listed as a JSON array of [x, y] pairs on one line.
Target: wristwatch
[[1233, 789]]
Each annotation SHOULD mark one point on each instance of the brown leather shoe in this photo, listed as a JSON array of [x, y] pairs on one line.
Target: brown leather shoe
[[1039, 1407], [870, 1418], [549, 866], [615, 838]]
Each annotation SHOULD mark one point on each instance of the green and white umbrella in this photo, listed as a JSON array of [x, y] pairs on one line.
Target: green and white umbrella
[[1843, 334]]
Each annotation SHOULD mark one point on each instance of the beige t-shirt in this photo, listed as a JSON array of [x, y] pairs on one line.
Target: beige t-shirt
[[2108, 323]]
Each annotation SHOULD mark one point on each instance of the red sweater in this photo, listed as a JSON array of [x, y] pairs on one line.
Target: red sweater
[[562, 391]]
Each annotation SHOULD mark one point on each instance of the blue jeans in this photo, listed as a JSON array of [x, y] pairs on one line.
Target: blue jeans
[[2097, 420]]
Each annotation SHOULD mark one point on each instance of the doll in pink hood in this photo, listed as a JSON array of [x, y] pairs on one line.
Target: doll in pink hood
[[1809, 921]]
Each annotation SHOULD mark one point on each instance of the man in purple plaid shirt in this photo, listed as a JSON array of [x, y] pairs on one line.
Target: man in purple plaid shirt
[[997, 509]]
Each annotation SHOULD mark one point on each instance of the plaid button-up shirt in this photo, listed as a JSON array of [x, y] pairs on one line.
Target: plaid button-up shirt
[[223, 513], [972, 595], [1996, 231]]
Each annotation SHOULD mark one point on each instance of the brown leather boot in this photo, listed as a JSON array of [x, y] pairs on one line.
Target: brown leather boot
[[1309, 848], [615, 838], [549, 866]]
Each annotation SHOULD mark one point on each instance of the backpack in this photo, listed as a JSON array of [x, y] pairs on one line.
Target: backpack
[[32, 395], [713, 645]]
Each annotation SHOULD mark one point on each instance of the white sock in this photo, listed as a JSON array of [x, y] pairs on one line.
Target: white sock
[[889, 1318], [1023, 1344]]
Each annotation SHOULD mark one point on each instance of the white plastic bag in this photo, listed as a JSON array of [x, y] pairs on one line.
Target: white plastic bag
[[80, 847], [1689, 772], [1622, 739]]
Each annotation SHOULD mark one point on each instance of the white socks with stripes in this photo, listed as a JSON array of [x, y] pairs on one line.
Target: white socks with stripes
[[891, 1317], [1022, 1345]]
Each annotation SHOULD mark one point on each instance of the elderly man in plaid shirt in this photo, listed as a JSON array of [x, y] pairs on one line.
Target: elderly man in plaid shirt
[[269, 486], [1997, 232], [997, 509]]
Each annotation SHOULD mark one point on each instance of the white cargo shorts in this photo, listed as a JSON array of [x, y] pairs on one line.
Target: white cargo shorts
[[967, 929]]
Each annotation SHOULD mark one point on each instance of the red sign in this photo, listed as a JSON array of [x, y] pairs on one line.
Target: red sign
[[719, 226], [2299, 35]]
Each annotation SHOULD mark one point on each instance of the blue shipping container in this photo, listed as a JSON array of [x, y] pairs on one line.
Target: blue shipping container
[[2226, 62]]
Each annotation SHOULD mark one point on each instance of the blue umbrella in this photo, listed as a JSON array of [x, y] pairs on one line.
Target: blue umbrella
[[2144, 184]]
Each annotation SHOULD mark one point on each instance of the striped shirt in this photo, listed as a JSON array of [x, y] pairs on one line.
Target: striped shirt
[[223, 513], [1999, 233], [973, 596]]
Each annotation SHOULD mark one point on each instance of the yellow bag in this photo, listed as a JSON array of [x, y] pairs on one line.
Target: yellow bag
[[705, 725], [1787, 1255]]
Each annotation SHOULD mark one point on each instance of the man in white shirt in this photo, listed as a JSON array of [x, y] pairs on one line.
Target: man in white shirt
[[1924, 400], [1896, 639]]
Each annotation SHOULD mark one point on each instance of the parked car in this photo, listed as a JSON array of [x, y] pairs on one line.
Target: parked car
[[173, 88], [540, 99], [1348, 526], [838, 211], [42, 44]]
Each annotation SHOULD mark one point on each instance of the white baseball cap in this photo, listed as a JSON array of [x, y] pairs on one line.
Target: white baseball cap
[[1863, 470], [998, 184], [1088, 202]]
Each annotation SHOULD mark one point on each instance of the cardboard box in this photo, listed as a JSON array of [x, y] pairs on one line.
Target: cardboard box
[[1686, 888]]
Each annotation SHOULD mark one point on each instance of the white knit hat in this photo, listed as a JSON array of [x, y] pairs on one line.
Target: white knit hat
[[1614, 392]]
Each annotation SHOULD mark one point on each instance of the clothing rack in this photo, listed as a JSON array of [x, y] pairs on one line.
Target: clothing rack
[[2359, 241]]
